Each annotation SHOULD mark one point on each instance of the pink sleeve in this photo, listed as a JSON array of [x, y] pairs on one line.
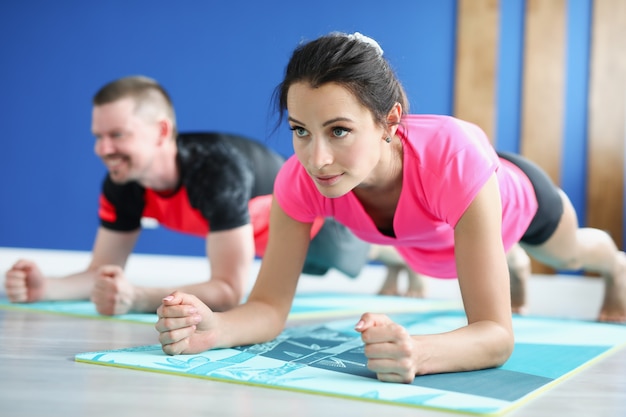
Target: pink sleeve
[[457, 165], [295, 192]]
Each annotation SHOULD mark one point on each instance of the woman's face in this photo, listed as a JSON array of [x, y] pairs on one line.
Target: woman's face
[[335, 138]]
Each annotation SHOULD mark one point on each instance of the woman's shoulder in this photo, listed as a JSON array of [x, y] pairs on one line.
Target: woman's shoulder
[[433, 123], [292, 178]]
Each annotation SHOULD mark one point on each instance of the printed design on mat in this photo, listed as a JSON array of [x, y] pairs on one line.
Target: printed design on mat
[[329, 359]]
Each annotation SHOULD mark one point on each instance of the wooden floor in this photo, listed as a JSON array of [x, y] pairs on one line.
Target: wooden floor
[[38, 376]]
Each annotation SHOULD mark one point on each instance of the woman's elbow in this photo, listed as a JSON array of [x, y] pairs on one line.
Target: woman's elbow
[[505, 346]]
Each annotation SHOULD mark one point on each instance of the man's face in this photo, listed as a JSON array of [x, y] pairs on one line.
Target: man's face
[[125, 140]]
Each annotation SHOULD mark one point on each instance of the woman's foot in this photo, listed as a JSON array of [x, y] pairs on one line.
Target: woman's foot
[[614, 306]]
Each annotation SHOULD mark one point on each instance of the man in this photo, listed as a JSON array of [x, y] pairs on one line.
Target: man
[[213, 185]]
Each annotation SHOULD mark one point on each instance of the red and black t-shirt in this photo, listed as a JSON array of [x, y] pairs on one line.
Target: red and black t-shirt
[[226, 182]]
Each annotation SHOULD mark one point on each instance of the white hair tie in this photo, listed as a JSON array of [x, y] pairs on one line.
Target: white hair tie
[[362, 38]]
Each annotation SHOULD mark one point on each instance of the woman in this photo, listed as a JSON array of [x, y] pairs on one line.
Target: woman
[[432, 186]]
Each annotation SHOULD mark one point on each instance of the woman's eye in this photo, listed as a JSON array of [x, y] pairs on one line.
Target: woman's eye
[[340, 132], [300, 131]]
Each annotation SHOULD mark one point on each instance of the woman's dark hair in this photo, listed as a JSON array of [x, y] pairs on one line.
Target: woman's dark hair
[[353, 61]]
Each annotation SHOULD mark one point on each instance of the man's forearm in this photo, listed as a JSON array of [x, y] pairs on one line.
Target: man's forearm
[[72, 287], [216, 294]]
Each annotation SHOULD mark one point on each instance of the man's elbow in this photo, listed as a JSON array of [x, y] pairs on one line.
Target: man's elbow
[[230, 297]]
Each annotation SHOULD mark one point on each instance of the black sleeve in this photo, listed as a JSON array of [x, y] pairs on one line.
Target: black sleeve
[[121, 206], [220, 186]]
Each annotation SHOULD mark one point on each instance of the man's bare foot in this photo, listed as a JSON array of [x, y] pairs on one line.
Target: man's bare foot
[[396, 265], [390, 286], [519, 271], [518, 293], [416, 286], [614, 306]]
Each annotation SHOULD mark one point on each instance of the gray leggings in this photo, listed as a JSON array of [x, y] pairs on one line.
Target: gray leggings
[[335, 246]]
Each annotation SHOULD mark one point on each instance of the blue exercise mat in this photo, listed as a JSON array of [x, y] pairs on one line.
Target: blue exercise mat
[[308, 306], [328, 359]]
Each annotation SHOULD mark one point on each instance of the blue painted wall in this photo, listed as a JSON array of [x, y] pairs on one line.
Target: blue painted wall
[[220, 61], [573, 173]]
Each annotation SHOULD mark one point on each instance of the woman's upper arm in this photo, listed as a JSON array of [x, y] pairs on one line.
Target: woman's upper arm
[[283, 260], [481, 260]]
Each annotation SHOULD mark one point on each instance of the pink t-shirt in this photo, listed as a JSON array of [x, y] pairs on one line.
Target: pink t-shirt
[[446, 163]]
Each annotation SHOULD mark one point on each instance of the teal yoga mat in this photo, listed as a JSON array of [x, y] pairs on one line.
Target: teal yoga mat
[[310, 306], [328, 359]]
